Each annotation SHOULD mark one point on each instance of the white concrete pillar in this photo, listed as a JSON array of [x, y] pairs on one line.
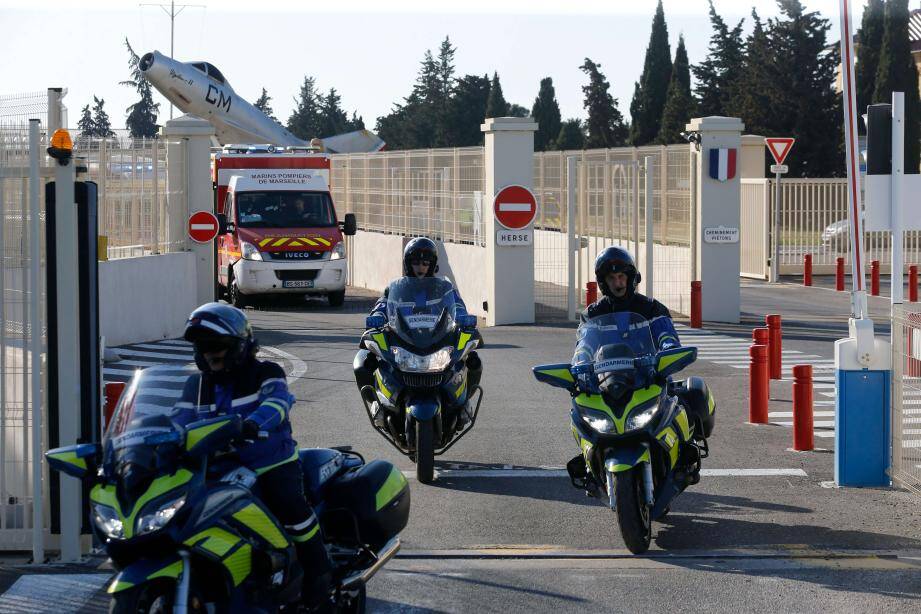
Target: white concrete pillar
[[752, 157], [718, 218], [188, 156], [510, 269]]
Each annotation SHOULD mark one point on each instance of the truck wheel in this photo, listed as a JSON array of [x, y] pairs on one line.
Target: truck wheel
[[336, 298], [237, 298]]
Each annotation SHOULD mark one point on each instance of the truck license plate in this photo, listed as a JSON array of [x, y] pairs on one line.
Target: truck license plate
[[297, 284]]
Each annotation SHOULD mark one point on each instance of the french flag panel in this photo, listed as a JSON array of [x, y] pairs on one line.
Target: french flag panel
[[722, 164]]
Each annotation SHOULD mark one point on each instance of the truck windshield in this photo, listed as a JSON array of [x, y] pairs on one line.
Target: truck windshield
[[279, 209]]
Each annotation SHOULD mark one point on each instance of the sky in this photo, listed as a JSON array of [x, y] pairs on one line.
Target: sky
[[368, 50]]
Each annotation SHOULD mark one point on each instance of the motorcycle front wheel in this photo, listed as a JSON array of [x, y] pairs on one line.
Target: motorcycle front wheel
[[425, 451], [632, 514], [148, 598]]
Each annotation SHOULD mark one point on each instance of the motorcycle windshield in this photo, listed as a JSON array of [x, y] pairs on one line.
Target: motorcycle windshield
[[421, 310], [625, 327]]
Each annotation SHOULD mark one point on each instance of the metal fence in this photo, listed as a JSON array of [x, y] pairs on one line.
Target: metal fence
[[609, 208], [906, 396], [433, 192], [134, 193], [17, 109], [813, 220], [22, 338]]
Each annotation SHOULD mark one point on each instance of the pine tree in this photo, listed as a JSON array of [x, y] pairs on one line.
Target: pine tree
[[679, 105], [357, 122], [85, 124], [605, 123], [441, 102], [718, 76], [757, 90], [516, 110], [654, 82], [264, 104], [101, 124], [333, 120], [806, 103], [546, 112], [142, 115], [571, 136], [496, 106], [897, 73], [869, 43], [304, 122], [466, 110]]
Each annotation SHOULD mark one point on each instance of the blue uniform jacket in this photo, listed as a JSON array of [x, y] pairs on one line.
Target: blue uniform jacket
[[660, 320], [256, 391]]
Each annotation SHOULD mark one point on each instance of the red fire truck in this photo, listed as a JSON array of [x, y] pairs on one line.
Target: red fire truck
[[280, 231]]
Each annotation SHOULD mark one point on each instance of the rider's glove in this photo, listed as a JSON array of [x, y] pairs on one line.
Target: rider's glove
[[250, 430]]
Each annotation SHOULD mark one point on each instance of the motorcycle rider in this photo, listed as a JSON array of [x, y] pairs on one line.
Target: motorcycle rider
[[233, 381], [420, 259]]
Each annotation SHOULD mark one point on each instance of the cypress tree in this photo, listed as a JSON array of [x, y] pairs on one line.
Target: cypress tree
[[466, 110], [546, 112], [897, 73], [101, 124], [571, 136], [679, 105], [757, 94], [496, 106], [442, 99], [807, 106], [142, 115], [264, 104], [649, 102], [719, 74], [869, 44], [605, 123], [304, 122], [333, 119]]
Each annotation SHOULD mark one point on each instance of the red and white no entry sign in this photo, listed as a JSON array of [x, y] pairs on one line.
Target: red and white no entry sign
[[515, 207], [203, 227], [779, 147]]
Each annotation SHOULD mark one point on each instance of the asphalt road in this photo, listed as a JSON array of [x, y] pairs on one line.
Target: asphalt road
[[503, 530]]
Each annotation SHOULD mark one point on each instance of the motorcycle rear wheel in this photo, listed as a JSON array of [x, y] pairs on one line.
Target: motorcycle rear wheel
[[425, 452], [633, 516]]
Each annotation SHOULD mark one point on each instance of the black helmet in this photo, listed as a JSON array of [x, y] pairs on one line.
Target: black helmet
[[218, 326], [616, 260], [420, 248]]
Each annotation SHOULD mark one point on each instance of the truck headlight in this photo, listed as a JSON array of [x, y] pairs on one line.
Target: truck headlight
[[338, 251], [640, 419], [249, 251], [155, 521], [108, 521], [598, 420], [407, 361]]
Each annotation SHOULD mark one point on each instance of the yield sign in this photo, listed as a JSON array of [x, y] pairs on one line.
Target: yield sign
[[203, 226], [515, 207], [779, 147]]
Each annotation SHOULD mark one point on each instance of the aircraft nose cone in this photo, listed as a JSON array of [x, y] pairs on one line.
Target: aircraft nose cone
[[146, 62]]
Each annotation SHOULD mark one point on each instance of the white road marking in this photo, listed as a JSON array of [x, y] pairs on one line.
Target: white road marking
[[51, 592], [789, 414], [172, 356], [298, 366], [562, 473]]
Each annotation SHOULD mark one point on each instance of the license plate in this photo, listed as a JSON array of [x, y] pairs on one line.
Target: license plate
[[307, 283]]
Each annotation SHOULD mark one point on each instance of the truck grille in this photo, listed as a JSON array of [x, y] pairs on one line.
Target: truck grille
[[297, 256], [296, 274], [423, 380]]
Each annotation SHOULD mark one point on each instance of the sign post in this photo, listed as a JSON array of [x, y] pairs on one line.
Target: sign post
[[779, 148]]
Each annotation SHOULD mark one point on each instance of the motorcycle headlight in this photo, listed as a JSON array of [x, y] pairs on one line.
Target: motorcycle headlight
[[249, 251], [640, 419], [108, 521], [155, 521], [338, 251], [407, 361], [598, 420]]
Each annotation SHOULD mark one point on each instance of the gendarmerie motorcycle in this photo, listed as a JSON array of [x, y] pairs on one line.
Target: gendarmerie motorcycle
[[641, 434], [182, 522], [420, 401]]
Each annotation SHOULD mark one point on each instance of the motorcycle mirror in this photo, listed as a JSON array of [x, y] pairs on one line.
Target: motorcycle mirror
[[375, 321], [582, 369]]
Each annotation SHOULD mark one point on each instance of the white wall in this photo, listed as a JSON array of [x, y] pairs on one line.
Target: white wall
[[376, 259], [146, 298]]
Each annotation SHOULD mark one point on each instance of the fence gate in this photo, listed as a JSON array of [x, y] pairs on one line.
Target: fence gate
[[754, 244]]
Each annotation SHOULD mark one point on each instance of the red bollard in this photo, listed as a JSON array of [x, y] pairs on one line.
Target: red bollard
[[776, 364], [839, 274], [591, 292], [758, 385], [807, 270], [803, 435], [762, 336], [696, 308], [113, 392], [874, 278], [913, 283]]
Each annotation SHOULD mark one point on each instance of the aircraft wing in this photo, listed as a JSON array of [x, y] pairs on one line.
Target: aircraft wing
[[359, 141]]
